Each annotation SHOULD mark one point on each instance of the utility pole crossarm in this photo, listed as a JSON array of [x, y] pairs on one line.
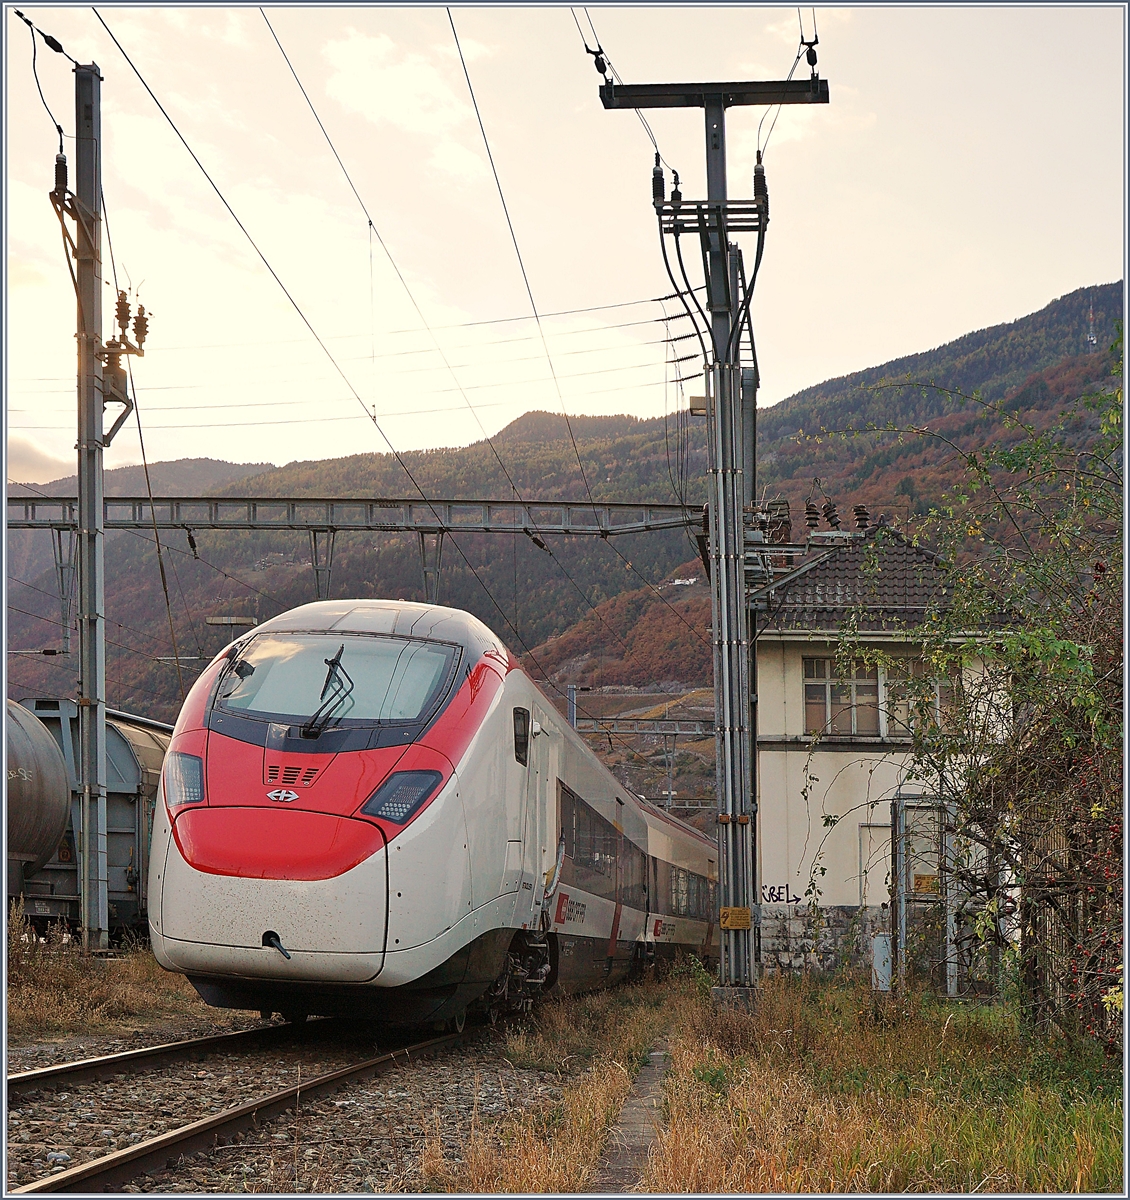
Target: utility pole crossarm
[[727, 95]]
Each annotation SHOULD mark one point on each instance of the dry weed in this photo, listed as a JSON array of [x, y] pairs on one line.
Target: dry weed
[[53, 989], [823, 1090], [600, 1040]]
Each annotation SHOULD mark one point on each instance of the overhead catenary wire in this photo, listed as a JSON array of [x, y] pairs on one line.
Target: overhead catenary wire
[[374, 232], [309, 325], [175, 550], [419, 312], [124, 646], [54, 595], [530, 294], [157, 536], [246, 233], [518, 253]]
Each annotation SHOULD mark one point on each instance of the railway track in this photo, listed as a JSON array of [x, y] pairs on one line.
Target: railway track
[[156, 1153], [104, 1067]]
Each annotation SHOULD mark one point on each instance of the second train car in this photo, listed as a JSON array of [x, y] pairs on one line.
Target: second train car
[[369, 808]]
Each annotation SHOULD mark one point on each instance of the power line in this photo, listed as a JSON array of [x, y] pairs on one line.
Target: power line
[[243, 228], [122, 645], [518, 253], [310, 327], [411, 297], [600, 55], [373, 230], [54, 596], [419, 350], [156, 535], [266, 263]]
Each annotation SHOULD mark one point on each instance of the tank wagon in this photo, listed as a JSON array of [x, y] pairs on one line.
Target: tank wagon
[[369, 808], [48, 807]]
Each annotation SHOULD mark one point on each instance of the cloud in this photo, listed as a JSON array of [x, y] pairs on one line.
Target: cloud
[[22, 273], [456, 159], [385, 84], [28, 463], [472, 50]]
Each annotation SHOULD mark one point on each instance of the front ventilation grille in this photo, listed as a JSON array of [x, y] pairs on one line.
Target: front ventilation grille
[[292, 776]]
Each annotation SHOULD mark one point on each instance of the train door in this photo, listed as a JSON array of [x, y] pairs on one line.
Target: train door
[[543, 767], [517, 801]]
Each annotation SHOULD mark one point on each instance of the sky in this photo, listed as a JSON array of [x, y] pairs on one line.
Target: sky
[[969, 169]]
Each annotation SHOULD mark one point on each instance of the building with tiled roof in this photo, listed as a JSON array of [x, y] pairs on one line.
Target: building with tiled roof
[[878, 578], [834, 743]]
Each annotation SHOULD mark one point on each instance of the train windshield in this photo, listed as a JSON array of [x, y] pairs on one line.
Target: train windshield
[[292, 675]]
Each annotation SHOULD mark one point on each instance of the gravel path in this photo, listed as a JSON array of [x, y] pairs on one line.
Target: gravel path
[[365, 1137]]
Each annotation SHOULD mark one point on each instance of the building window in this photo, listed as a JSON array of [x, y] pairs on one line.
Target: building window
[[910, 697], [841, 706]]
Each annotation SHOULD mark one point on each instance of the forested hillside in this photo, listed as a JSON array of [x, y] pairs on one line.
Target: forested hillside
[[1033, 366]]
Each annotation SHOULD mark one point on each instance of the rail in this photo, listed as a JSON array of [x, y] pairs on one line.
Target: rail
[[111, 1170], [87, 1069]]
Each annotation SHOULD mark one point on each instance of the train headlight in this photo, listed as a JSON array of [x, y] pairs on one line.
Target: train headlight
[[184, 779], [400, 796]]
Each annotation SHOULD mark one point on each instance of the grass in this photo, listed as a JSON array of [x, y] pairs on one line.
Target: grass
[[54, 991], [596, 1043], [828, 1088]]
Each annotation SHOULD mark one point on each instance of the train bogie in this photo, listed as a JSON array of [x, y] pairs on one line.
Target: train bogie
[[369, 808]]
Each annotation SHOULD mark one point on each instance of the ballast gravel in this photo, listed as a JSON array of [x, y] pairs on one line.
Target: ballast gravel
[[368, 1136], [51, 1130], [34, 1055], [365, 1137]]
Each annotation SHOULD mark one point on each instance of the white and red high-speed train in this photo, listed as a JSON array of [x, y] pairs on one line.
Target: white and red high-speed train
[[368, 808]]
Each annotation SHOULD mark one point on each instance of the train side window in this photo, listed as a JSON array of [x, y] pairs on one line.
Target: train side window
[[568, 821], [522, 736]]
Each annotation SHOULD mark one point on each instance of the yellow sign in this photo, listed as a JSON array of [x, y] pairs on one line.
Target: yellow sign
[[734, 918], [926, 883]]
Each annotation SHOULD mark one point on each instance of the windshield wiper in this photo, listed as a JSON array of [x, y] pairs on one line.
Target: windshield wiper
[[339, 693]]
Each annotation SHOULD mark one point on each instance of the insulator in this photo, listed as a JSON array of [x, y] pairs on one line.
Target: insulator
[[862, 516], [760, 186], [811, 514], [676, 195], [830, 515], [54, 43], [658, 184], [811, 56], [140, 326], [60, 174], [121, 312], [600, 64]]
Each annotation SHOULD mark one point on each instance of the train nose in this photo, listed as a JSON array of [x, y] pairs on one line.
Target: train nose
[[287, 915]]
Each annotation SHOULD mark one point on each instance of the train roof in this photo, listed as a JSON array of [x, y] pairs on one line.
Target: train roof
[[658, 819], [400, 618]]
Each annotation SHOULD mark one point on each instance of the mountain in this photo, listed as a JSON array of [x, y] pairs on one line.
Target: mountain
[[992, 361], [1031, 368], [29, 555], [181, 477]]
